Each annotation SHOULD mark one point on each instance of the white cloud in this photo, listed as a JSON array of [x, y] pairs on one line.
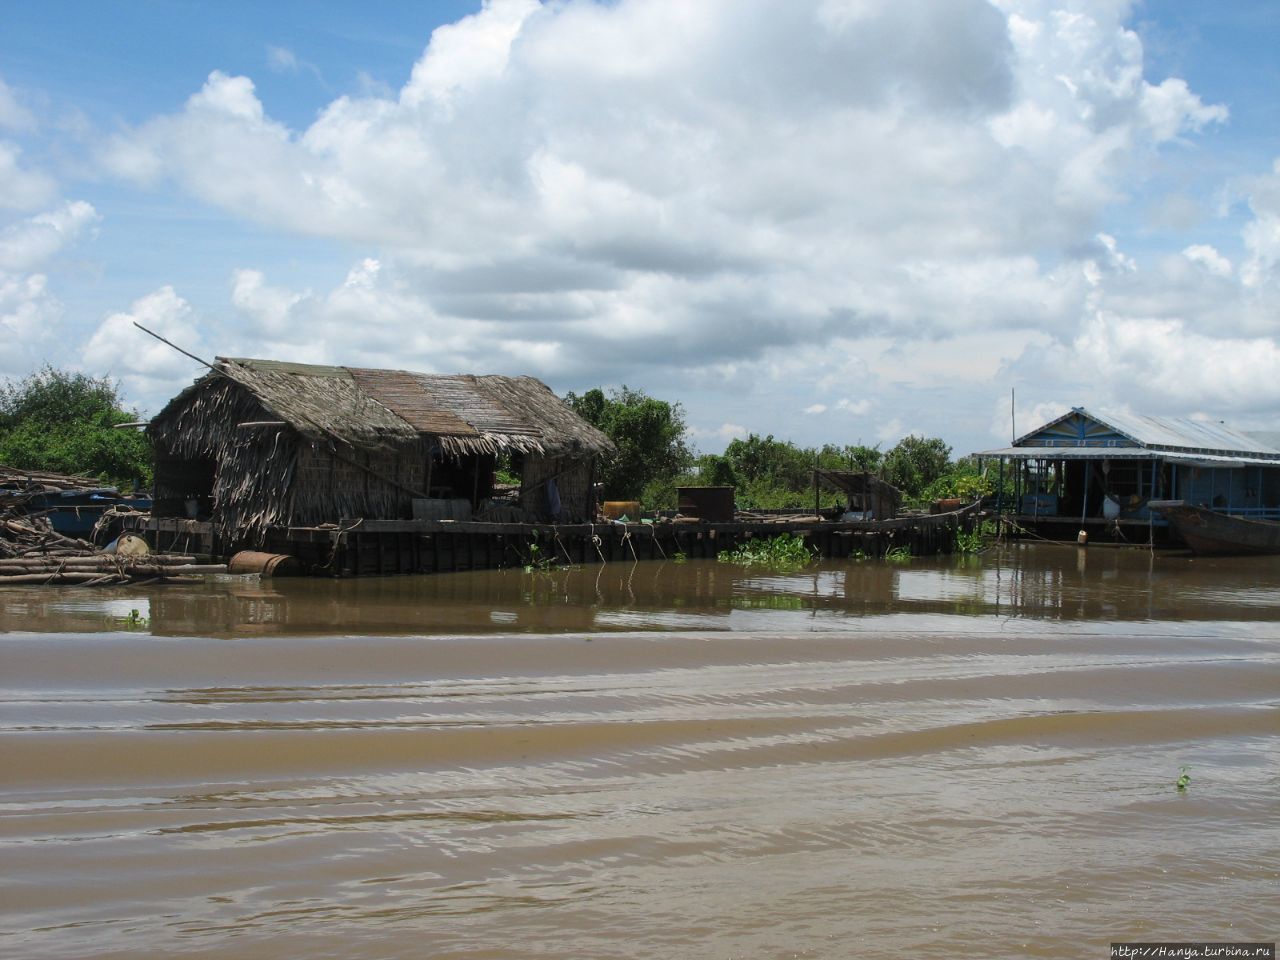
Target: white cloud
[[708, 192], [29, 314], [149, 370], [1162, 359], [20, 188], [1262, 234], [467, 54], [720, 435], [1172, 109], [269, 306], [31, 242], [282, 59], [877, 157], [13, 115], [1209, 258], [859, 408]]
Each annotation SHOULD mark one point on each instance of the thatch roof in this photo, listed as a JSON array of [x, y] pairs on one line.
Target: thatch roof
[[363, 407]]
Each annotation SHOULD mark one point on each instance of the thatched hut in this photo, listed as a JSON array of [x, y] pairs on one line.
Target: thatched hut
[[261, 443]]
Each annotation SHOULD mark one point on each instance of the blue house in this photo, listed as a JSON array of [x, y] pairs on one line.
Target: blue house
[[1103, 467]]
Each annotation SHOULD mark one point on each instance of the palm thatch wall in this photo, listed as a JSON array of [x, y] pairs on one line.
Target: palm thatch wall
[[260, 443]]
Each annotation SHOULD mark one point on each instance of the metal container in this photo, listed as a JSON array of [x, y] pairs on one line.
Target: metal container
[[128, 545], [713, 504], [266, 564], [615, 509]]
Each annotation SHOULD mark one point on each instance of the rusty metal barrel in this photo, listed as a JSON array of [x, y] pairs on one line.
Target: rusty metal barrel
[[266, 564]]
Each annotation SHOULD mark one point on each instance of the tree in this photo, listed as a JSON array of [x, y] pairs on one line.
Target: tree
[[648, 433], [778, 463], [63, 423], [915, 463], [858, 458]]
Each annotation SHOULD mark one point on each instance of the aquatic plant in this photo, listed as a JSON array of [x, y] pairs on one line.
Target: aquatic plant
[[1183, 781], [978, 540], [134, 621], [900, 554], [540, 562], [783, 552]]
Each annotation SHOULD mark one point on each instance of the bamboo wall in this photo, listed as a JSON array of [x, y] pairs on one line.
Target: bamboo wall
[[573, 480], [378, 484]]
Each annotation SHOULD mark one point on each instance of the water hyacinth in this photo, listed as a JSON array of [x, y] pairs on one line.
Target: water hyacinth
[[783, 552]]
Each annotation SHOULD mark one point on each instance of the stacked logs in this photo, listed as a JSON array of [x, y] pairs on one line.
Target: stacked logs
[[37, 480], [32, 552], [21, 536], [102, 569]]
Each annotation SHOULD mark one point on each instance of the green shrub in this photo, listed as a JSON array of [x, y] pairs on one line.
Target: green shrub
[[64, 423]]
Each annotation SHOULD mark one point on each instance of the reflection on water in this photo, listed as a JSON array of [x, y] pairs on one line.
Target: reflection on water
[[946, 758], [1048, 582]]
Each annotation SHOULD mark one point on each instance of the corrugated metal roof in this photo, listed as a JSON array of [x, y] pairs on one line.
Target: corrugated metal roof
[[1180, 432], [1129, 453], [1268, 438], [1155, 434]]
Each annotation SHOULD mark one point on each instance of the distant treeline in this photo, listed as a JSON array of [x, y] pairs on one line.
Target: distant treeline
[[655, 459], [65, 423]]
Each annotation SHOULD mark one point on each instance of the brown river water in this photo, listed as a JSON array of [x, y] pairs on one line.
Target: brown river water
[[945, 758]]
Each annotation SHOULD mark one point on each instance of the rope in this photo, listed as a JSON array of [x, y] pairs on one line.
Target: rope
[[335, 541], [595, 542], [568, 559], [653, 535]]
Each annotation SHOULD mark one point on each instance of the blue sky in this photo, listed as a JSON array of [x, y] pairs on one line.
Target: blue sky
[[829, 220]]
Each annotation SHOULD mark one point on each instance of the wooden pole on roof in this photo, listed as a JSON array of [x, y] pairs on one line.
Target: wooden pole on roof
[[332, 437], [152, 333]]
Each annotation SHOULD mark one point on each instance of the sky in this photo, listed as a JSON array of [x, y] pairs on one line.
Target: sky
[[832, 221]]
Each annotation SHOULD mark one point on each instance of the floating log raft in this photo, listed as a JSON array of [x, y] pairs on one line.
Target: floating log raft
[[102, 569], [32, 552]]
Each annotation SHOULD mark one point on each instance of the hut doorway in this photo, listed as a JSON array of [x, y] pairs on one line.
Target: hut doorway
[[184, 488], [463, 478]]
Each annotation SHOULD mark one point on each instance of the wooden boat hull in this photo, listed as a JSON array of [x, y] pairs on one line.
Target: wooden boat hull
[[1209, 533]]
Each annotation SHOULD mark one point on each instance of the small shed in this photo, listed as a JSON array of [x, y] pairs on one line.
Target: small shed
[[1110, 464], [261, 443], [867, 494]]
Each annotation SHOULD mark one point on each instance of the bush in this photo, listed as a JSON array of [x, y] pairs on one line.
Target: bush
[[63, 423], [916, 463]]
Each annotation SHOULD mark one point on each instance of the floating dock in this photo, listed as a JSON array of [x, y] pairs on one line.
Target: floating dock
[[354, 548]]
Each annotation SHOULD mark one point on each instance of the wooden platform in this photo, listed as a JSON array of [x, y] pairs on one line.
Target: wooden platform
[[383, 547], [1121, 531]]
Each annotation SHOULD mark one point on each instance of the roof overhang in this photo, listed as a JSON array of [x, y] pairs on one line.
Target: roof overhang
[[1125, 453]]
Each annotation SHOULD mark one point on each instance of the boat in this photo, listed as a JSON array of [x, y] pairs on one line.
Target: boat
[[1213, 533], [75, 511]]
